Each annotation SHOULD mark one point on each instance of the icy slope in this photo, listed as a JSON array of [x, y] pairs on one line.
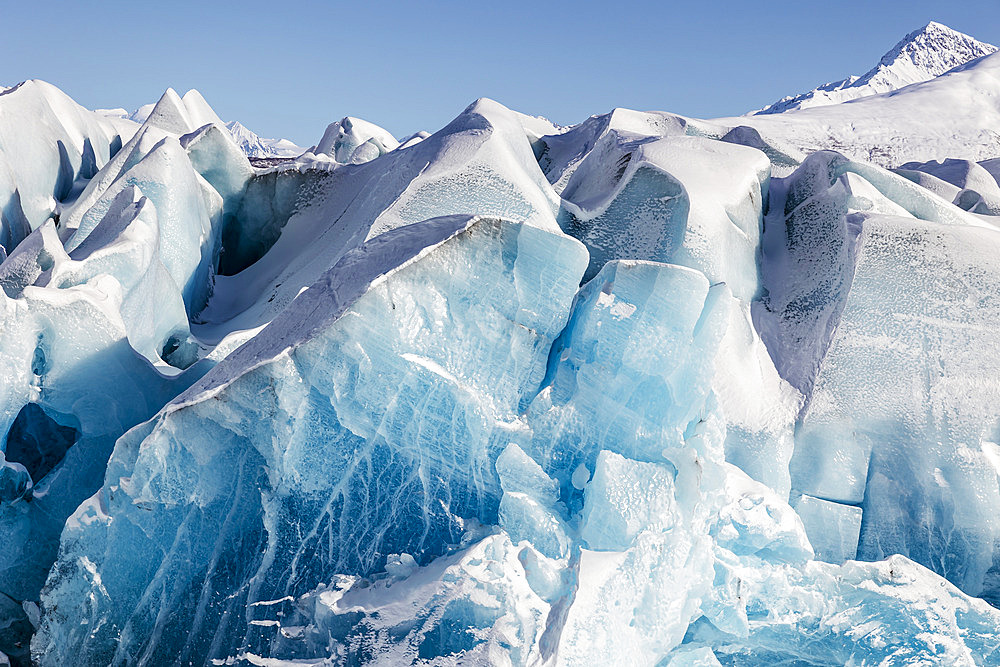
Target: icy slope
[[881, 309], [480, 162], [49, 145], [921, 55], [354, 140], [644, 390], [249, 142], [954, 115], [255, 146]]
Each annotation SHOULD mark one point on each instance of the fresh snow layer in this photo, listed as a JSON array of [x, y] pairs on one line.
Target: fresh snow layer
[[645, 390]]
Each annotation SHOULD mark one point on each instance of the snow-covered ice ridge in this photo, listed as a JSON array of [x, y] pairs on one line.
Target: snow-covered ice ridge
[[643, 390], [920, 56], [248, 141]]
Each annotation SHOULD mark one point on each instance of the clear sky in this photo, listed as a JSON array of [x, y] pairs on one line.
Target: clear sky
[[289, 67]]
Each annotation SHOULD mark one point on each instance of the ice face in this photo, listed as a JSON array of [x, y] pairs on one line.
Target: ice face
[[359, 407], [667, 555], [386, 445], [699, 203], [649, 406], [898, 423], [833, 528], [683, 200], [49, 147], [920, 440], [353, 140]]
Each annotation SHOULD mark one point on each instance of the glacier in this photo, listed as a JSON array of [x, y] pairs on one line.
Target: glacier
[[647, 389], [253, 146]]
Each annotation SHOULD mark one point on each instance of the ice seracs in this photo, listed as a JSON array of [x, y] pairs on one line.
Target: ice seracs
[[354, 140], [49, 147], [647, 389], [249, 142]]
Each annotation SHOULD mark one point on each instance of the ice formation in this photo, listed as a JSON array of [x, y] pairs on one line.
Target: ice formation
[[644, 390], [252, 145]]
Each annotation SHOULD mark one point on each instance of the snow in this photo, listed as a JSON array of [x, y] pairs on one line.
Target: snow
[[254, 146], [142, 113], [48, 145], [699, 202], [353, 140], [953, 115], [200, 113], [480, 162], [921, 55], [643, 390]]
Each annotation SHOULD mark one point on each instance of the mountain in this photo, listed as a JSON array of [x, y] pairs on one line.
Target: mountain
[[249, 142], [954, 115], [921, 55], [142, 113], [256, 147]]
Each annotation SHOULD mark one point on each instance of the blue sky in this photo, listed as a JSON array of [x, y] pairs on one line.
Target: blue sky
[[289, 68]]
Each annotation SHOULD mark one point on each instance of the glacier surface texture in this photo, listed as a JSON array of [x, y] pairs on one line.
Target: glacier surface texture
[[647, 390]]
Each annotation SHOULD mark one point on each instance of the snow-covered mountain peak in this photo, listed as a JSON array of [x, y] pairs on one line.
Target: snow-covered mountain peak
[[924, 54], [182, 114], [920, 56], [256, 147]]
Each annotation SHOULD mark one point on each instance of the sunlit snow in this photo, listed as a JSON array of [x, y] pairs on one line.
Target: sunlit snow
[[646, 390]]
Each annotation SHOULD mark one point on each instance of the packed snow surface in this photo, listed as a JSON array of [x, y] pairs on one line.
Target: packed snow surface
[[646, 390]]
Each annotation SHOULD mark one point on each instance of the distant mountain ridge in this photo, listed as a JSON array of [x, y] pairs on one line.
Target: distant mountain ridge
[[249, 142], [920, 56], [257, 147]]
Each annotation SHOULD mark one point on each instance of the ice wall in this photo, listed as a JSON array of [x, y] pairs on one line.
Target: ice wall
[[881, 299], [49, 147], [379, 405], [313, 467], [635, 187], [624, 535]]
